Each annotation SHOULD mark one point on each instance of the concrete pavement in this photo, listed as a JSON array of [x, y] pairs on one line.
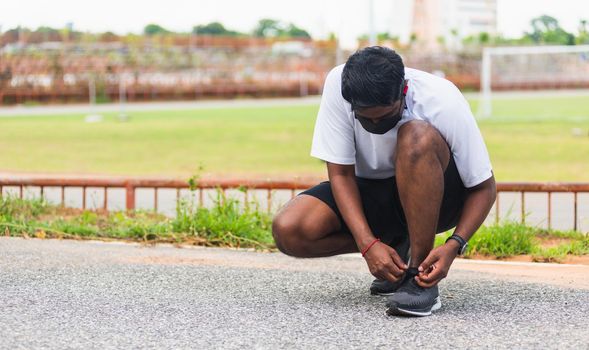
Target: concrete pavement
[[72, 294]]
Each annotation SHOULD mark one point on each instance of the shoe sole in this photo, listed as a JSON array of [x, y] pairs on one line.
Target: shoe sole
[[384, 294], [396, 311]]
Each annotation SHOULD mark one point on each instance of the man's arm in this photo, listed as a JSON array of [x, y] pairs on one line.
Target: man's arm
[[477, 205], [383, 261]]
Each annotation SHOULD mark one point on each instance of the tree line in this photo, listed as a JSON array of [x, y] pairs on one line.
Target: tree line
[[265, 28], [543, 30]]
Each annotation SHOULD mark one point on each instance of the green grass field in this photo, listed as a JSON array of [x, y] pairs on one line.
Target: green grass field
[[528, 139]]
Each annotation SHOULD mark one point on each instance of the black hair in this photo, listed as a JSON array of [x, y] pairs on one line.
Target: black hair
[[373, 76]]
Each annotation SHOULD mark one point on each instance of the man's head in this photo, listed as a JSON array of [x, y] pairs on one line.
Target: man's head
[[373, 82]]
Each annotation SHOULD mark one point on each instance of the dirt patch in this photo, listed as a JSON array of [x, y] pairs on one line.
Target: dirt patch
[[209, 261], [563, 275], [233, 259], [570, 259], [551, 242]]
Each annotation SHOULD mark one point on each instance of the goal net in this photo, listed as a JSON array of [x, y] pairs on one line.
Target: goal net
[[532, 68]]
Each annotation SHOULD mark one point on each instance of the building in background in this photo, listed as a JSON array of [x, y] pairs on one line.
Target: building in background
[[433, 25]]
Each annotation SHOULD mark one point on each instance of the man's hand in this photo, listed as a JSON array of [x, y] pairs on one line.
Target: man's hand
[[437, 264], [384, 263]]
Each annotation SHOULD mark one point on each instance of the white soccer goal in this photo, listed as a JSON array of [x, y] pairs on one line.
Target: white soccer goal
[[532, 67]]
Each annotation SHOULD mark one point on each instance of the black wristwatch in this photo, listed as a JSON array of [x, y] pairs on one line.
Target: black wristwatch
[[463, 244]]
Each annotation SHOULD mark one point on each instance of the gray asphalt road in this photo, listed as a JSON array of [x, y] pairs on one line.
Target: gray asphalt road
[[67, 294]]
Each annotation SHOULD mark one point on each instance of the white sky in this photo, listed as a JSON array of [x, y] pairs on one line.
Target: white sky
[[349, 18]]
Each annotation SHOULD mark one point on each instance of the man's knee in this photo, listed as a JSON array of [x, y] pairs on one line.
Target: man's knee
[[289, 236], [417, 139], [286, 231], [282, 229]]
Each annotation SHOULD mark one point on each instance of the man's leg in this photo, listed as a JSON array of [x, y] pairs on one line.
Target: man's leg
[[422, 157], [306, 227]]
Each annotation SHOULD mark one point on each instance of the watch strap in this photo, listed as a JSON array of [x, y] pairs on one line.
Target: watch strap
[[460, 241]]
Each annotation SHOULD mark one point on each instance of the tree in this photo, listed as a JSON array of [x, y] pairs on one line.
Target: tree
[[583, 37], [46, 30], [214, 28], [154, 29], [386, 36], [108, 36], [43, 34], [267, 27], [271, 28], [484, 38], [547, 30], [295, 32]]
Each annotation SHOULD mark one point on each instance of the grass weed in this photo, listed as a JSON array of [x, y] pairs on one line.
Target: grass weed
[[232, 223], [511, 238], [227, 223]]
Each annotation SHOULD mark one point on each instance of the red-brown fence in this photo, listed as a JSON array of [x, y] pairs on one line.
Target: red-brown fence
[[130, 186]]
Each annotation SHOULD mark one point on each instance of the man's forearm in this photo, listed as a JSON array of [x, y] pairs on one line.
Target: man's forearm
[[478, 203], [349, 203]]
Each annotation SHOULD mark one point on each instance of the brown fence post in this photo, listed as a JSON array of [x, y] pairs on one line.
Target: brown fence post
[[84, 197], [130, 198], [575, 211], [105, 204], [549, 210], [523, 207]]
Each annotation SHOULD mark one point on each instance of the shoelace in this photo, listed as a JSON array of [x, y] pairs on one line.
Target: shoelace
[[409, 285]]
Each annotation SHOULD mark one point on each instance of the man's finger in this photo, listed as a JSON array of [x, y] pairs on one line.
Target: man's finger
[[393, 269], [425, 284], [433, 276], [378, 275], [429, 261], [391, 272], [397, 259], [389, 276], [397, 271]]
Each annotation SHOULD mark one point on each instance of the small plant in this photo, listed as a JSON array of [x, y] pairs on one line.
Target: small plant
[[226, 223], [513, 238], [507, 239], [15, 208], [560, 252]]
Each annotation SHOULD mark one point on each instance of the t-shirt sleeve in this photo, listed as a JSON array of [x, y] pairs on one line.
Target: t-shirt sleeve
[[333, 138], [454, 119]]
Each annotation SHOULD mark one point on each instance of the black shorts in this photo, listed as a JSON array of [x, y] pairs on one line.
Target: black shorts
[[383, 209]]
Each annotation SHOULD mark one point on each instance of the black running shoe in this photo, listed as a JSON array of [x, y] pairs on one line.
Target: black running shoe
[[386, 287], [412, 299]]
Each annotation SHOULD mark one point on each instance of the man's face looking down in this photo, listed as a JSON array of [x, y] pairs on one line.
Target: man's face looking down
[[380, 119]]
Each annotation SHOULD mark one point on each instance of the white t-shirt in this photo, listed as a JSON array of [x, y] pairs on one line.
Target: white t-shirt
[[340, 138]]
